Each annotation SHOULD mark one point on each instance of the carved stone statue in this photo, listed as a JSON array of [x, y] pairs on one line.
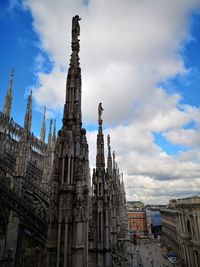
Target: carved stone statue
[[75, 28], [100, 109]]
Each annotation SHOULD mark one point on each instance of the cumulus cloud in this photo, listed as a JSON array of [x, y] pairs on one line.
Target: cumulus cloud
[[127, 51], [147, 190], [136, 43], [51, 91], [144, 161], [189, 137]]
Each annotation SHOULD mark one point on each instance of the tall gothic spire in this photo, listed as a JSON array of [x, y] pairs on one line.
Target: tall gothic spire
[[43, 128], [50, 132], [8, 97], [109, 160], [72, 108], [100, 161], [54, 133], [28, 116], [67, 240]]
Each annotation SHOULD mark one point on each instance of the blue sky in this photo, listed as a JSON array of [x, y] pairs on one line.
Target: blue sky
[[188, 85], [19, 48], [157, 69]]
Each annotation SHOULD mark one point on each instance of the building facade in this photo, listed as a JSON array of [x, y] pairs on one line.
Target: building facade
[[189, 230], [135, 205], [137, 222], [180, 229], [169, 221], [153, 222]]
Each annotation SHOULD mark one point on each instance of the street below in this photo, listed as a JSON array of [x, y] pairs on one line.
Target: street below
[[149, 254]]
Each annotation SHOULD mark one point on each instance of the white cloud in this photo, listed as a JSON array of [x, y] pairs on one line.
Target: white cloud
[[126, 52], [52, 89], [147, 190], [189, 137], [39, 62], [144, 161]]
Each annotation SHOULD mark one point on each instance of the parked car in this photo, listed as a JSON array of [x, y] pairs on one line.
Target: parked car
[[172, 259]]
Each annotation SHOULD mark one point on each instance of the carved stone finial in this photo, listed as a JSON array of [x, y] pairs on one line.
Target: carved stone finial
[[100, 109]]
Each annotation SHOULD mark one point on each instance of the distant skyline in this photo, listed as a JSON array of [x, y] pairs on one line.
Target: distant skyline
[[140, 59]]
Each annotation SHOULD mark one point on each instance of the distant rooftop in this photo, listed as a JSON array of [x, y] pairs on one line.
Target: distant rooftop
[[134, 202], [189, 200]]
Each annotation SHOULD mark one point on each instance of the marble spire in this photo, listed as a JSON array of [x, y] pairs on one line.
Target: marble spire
[[72, 107], [50, 132], [8, 97], [54, 133], [43, 128], [28, 116], [100, 160]]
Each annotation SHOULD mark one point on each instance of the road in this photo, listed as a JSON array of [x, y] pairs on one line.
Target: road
[[152, 256], [135, 261], [149, 255]]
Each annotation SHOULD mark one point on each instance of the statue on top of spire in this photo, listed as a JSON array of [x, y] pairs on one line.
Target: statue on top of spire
[[100, 109], [75, 28]]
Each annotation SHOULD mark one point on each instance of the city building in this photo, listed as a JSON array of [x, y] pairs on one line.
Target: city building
[[189, 230], [180, 229], [135, 205], [137, 223], [153, 222], [50, 214], [169, 221]]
